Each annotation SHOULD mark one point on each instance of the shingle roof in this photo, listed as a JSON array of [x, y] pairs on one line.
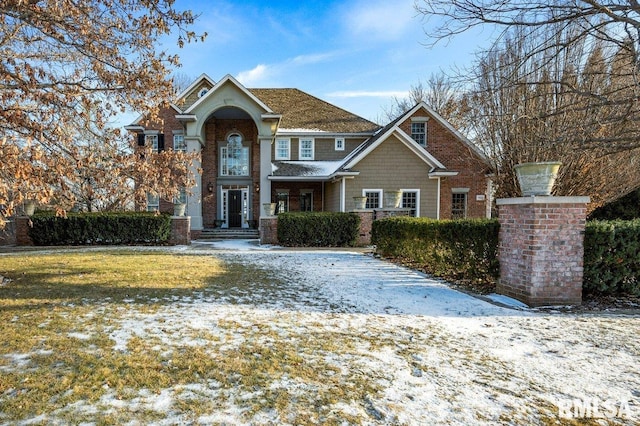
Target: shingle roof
[[301, 110]]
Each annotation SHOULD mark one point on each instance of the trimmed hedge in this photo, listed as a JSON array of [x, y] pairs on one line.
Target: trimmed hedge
[[612, 257], [100, 228], [318, 229], [455, 249]]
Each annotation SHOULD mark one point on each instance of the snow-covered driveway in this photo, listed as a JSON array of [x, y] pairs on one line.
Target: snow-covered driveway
[[436, 356]]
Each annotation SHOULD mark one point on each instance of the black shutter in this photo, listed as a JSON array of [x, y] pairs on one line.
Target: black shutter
[[160, 142], [140, 139]]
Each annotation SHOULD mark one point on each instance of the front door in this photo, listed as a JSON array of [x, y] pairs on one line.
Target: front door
[[235, 209]]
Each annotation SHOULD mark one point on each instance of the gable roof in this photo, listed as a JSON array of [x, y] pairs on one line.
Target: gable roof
[[228, 79], [302, 111]]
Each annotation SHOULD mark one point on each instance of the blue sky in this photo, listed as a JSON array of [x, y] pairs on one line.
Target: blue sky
[[356, 54]]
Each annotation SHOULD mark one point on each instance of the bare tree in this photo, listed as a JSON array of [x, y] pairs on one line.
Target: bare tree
[[560, 82], [69, 66]]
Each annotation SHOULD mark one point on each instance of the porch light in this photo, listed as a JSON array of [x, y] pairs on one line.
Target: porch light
[[210, 187]]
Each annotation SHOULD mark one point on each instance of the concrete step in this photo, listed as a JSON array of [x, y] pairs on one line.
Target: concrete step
[[229, 234]]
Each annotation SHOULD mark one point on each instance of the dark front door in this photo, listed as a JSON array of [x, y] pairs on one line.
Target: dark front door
[[235, 209]]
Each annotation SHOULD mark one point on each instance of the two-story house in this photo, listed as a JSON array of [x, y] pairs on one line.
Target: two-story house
[[287, 147]]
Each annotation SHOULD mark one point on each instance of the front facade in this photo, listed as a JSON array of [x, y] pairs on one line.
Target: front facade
[[287, 147]]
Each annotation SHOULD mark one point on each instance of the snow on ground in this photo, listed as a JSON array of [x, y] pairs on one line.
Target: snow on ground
[[444, 357]]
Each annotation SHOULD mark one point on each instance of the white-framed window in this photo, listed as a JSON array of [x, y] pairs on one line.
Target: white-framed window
[[179, 145], [151, 140], [153, 202], [459, 201], [419, 133], [374, 198], [283, 149], [411, 200], [339, 144], [282, 201], [306, 149], [234, 158], [202, 92], [306, 200]]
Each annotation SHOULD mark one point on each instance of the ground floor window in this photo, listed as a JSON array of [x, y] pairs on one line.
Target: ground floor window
[[306, 201], [458, 205], [181, 197], [153, 202], [410, 201], [374, 198], [282, 200]]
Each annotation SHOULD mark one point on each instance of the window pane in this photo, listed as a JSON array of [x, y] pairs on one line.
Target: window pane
[[282, 149], [418, 133], [179, 144], [373, 200], [306, 149], [283, 202], [410, 201], [151, 140], [459, 206], [234, 161], [306, 202]]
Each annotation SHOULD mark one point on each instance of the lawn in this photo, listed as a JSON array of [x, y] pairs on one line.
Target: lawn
[[163, 336]]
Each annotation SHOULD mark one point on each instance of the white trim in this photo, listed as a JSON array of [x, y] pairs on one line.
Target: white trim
[[459, 190], [313, 149], [438, 198], [419, 119], [193, 85], [343, 194], [275, 154], [543, 199], [229, 79], [339, 140]]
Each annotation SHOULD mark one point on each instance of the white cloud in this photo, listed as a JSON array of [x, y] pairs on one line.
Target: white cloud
[[380, 19], [254, 76], [368, 94]]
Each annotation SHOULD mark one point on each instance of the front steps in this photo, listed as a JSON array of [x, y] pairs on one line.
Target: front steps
[[229, 234]]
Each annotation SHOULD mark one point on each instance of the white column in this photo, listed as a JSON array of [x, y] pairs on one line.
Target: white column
[[194, 200], [343, 194], [265, 171]]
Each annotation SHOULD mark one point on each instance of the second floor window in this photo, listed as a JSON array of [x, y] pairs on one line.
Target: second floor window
[[234, 158], [419, 133], [282, 149], [151, 140], [306, 149]]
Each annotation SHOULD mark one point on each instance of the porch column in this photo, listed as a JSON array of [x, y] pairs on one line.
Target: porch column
[[194, 201], [265, 171]]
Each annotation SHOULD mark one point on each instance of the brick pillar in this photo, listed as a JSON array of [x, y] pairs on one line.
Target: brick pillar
[[269, 230], [180, 230], [366, 221], [23, 223], [541, 249]]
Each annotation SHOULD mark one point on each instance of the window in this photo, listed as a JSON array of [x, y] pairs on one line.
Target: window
[[181, 197], [306, 149], [282, 200], [153, 202], [306, 201], [419, 133], [151, 140], [234, 158], [458, 205], [339, 144], [179, 144], [283, 148], [410, 200], [374, 198], [202, 92]]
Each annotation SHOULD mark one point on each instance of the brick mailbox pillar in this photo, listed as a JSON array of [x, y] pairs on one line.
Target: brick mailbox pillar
[[180, 230], [541, 249], [269, 230]]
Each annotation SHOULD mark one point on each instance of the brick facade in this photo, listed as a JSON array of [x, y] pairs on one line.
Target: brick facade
[[180, 230], [269, 230], [541, 249], [456, 156]]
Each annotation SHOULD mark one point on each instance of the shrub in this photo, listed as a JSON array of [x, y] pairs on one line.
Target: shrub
[[100, 228], [612, 257], [321, 229], [455, 249]]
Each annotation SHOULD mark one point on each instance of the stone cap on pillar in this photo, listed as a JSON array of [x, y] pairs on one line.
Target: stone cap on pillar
[[545, 199]]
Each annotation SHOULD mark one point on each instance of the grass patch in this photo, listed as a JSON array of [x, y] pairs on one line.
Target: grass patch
[[59, 361]]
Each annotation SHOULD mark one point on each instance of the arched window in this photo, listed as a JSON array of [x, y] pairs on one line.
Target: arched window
[[234, 158]]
